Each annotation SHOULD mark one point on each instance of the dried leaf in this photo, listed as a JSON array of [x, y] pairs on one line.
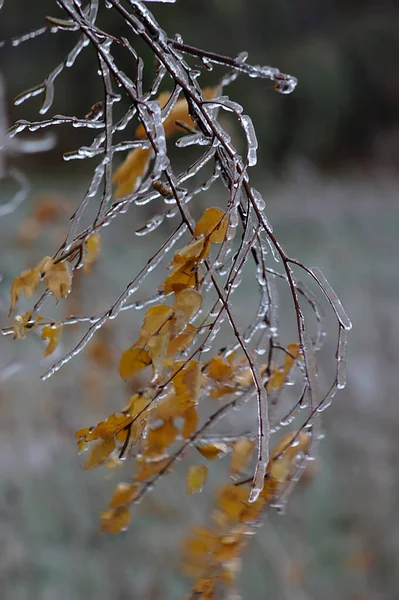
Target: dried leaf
[[196, 478], [52, 333], [111, 426], [123, 494], [233, 502], [284, 455], [132, 360], [58, 278], [213, 224], [129, 175], [157, 347], [99, 453], [241, 455], [160, 438], [92, 250], [115, 520]]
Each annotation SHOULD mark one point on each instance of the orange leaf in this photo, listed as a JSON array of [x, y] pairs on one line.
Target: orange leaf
[[115, 520], [132, 360], [282, 461], [58, 278], [159, 438], [196, 478], [157, 347], [52, 333], [99, 453], [212, 224], [92, 250], [123, 494], [111, 426], [130, 173], [232, 500]]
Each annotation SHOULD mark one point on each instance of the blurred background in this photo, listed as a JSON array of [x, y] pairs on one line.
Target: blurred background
[[328, 169]]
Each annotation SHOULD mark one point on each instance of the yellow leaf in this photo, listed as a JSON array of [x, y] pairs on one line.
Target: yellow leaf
[[282, 461], [130, 173], [187, 382], [214, 450], [190, 424], [194, 251], [241, 455], [111, 426], [160, 438], [123, 494], [27, 282], [149, 469], [52, 333], [181, 341], [218, 368], [181, 278], [115, 520], [233, 501], [157, 347], [187, 304], [92, 250], [99, 453], [179, 112], [132, 360], [24, 323], [157, 320], [196, 478], [213, 224], [58, 278]]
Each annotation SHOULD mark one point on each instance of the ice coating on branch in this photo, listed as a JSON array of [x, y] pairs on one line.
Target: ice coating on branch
[[333, 299], [252, 140], [341, 358]]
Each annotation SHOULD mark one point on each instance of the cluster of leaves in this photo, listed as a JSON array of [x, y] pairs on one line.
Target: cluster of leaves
[[191, 380]]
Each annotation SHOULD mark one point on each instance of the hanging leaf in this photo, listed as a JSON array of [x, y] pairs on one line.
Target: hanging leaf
[[187, 383], [196, 478], [149, 469], [187, 304], [123, 494], [25, 323], [52, 333], [191, 419], [115, 520], [27, 282], [284, 456], [157, 347], [213, 450], [196, 251], [181, 278], [58, 278], [213, 224], [218, 368], [179, 112], [133, 359], [99, 453], [129, 175], [157, 320], [241, 455], [181, 341], [160, 438], [92, 250]]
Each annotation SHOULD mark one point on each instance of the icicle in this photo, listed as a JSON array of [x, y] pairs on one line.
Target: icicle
[[332, 298]]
